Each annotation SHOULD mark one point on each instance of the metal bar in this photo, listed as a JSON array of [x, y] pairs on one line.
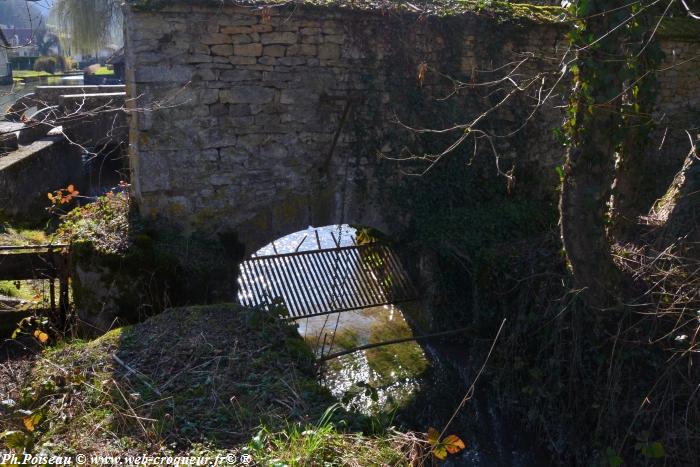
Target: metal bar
[[374, 287], [288, 285], [332, 280], [242, 286], [408, 287], [326, 272], [246, 286], [318, 240], [260, 276], [294, 285], [337, 242], [313, 252], [300, 243], [299, 287], [300, 283], [365, 281], [323, 274], [251, 275], [372, 305], [275, 281], [305, 276], [331, 265], [350, 279], [257, 277], [317, 269], [33, 247]]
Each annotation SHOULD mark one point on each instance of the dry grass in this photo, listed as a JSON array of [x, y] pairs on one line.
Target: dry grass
[[191, 380]]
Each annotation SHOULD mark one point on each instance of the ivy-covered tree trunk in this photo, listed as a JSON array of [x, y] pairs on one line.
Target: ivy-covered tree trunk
[[640, 90], [593, 129]]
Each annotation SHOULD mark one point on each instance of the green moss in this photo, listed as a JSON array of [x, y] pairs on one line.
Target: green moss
[[396, 361], [515, 11], [346, 339]]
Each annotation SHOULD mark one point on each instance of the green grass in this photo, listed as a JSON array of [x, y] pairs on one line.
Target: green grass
[[104, 71], [24, 292], [20, 74], [18, 236], [324, 444], [202, 379]]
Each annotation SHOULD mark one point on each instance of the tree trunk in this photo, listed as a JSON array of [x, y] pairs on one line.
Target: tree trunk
[[594, 127], [633, 173]]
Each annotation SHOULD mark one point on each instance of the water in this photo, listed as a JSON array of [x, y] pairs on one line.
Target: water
[[373, 380], [419, 386], [10, 93]]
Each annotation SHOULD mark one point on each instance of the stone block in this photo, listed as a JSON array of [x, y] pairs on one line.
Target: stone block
[[274, 50], [304, 50], [292, 61], [223, 50], [205, 74], [246, 95], [241, 39], [329, 52], [243, 60], [269, 61], [278, 38], [198, 58], [249, 50], [159, 74], [298, 96], [215, 39], [240, 75]]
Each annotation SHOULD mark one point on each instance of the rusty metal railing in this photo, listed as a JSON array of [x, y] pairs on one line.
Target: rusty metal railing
[[318, 282]]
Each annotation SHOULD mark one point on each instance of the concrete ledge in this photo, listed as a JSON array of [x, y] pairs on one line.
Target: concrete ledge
[[52, 94]]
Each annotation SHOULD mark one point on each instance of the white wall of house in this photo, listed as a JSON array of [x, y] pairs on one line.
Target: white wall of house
[[3, 63]]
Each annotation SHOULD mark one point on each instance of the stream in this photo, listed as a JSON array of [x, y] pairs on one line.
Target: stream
[[416, 386]]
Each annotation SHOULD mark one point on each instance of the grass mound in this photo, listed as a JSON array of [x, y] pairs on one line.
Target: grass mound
[[190, 381], [207, 375]]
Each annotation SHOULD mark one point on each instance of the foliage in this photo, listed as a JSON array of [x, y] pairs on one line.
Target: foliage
[[450, 444], [51, 64], [104, 223], [86, 26]]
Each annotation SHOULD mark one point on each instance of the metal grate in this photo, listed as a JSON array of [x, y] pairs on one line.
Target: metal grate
[[318, 282]]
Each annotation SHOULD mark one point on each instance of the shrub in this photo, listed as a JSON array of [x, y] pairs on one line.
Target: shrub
[[51, 64]]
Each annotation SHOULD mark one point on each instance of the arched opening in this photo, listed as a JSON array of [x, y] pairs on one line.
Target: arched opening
[[289, 275]]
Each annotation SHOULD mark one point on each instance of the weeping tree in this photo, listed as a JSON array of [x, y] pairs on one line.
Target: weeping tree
[[84, 26]]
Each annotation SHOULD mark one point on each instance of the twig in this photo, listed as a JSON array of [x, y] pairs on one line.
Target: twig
[[470, 392], [137, 374]]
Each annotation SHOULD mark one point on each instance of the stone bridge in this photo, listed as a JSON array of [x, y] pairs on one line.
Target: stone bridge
[[262, 120]]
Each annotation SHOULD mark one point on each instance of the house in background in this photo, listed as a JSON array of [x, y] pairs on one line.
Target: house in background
[[5, 68], [24, 50]]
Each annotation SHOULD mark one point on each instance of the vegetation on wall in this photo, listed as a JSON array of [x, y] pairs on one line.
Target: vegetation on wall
[[598, 350]]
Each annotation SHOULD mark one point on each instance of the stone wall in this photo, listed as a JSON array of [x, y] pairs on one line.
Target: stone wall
[[264, 121], [29, 173]]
